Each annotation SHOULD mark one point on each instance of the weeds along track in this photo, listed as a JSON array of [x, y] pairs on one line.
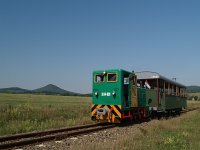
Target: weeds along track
[[18, 140]]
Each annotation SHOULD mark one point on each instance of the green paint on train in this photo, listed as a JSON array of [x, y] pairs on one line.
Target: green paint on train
[[120, 95]]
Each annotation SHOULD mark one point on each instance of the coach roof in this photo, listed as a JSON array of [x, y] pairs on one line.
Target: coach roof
[[154, 75]]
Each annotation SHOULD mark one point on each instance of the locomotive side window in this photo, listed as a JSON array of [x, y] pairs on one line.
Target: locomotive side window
[[99, 78], [112, 77], [126, 80]]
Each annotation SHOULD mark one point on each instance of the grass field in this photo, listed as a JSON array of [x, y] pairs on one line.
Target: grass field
[[179, 133], [27, 112]]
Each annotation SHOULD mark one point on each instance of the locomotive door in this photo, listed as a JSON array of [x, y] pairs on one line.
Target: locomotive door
[[133, 90], [126, 90]]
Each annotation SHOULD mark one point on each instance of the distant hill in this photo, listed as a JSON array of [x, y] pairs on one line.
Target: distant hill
[[49, 89], [193, 89], [14, 90], [52, 89]]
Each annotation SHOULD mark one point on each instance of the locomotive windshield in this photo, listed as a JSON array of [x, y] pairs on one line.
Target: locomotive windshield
[[109, 77], [112, 77], [99, 78]]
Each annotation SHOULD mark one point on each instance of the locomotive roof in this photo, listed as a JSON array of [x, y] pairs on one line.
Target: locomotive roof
[[155, 75], [111, 70]]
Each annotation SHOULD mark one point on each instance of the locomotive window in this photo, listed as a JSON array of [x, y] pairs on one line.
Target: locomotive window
[[99, 78], [126, 80], [112, 77]]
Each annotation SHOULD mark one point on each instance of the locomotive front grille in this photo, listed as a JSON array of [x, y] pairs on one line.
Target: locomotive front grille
[[102, 111], [106, 113]]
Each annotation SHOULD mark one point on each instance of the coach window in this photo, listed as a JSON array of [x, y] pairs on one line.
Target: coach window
[[99, 78], [112, 77]]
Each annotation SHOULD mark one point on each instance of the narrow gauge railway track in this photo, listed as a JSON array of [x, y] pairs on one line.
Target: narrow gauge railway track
[[7, 142]]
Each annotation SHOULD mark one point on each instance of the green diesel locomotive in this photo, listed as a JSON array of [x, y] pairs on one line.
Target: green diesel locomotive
[[119, 95]]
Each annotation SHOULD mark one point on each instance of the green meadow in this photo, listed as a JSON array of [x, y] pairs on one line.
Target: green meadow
[[178, 133], [21, 113]]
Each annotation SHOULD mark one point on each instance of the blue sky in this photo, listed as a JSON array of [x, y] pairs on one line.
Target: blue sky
[[62, 42]]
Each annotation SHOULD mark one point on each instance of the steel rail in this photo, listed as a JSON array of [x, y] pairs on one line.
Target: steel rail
[[40, 133], [43, 137]]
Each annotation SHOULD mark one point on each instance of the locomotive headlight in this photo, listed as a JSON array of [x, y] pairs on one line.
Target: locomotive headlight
[[113, 93], [96, 93]]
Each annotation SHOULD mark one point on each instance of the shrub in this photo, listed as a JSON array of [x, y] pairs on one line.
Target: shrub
[[195, 98]]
